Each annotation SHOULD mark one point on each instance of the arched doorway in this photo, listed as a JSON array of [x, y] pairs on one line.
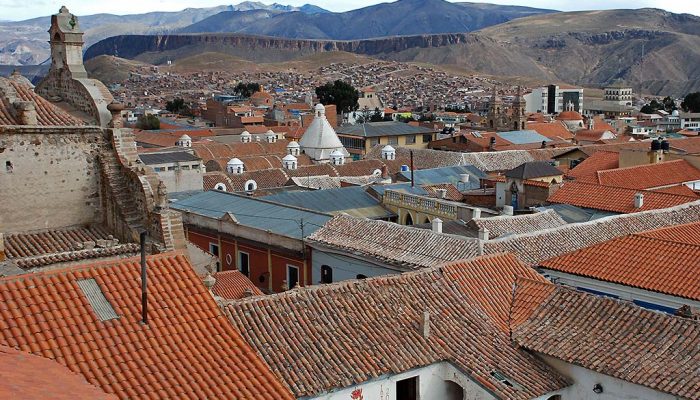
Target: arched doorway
[[453, 391], [409, 219]]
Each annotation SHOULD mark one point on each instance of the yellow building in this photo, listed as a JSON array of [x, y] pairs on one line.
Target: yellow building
[[359, 139]]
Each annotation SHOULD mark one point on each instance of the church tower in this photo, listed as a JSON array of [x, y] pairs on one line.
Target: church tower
[[519, 111], [495, 110], [67, 43]]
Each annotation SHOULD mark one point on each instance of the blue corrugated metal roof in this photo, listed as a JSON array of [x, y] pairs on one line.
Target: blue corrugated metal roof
[[451, 175], [256, 213], [352, 200], [401, 187], [523, 137]]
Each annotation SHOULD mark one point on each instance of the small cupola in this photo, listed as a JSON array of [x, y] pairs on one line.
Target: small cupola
[[389, 153], [234, 166], [293, 148], [270, 136], [337, 157], [289, 162], [245, 137], [184, 141], [320, 110]]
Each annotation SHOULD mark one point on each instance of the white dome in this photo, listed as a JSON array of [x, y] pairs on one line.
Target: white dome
[[320, 108], [388, 148], [293, 145], [270, 132], [234, 162], [185, 137], [245, 133], [289, 157], [337, 153], [674, 113]]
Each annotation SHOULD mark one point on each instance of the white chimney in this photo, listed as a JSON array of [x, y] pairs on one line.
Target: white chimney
[[441, 193], [437, 225], [464, 178], [483, 234], [507, 210], [639, 200], [425, 325], [476, 213]]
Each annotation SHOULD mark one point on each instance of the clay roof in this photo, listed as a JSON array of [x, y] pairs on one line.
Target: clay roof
[[265, 179], [211, 178], [533, 248], [552, 130], [617, 339], [187, 350], [664, 261], [326, 337], [569, 116], [47, 113], [41, 248], [452, 192], [233, 285], [586, 171], [509, 225], [29, 377], [401, 246], [650, 175], [614, 199]]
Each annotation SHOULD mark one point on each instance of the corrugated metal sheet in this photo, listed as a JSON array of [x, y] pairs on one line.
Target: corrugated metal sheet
[[451, 175], [351, 200], [166, 158], [385, 128], [98, 301], [523, 137], [253, 212]]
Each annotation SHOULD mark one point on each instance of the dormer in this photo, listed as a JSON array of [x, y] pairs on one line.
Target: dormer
[[245, 137], [270, 136], [184, 141], [289, 162], [293, 149], [388, 153], [234, 166], [337, 157]]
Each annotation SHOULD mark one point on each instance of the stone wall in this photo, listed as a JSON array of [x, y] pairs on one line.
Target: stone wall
[[87, 95], [49, 177]]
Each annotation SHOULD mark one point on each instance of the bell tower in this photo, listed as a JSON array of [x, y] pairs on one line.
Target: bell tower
[[495, 110], [66, 40]]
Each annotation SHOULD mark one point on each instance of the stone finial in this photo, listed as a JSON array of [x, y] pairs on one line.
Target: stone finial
[[26, 112], [63, 10], [209, 281], [162, 195], [248, 292], [116, 108]]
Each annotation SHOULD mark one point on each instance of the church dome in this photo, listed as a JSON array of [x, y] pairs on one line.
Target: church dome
[[569, 116]]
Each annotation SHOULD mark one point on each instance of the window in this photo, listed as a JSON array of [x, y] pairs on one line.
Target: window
[[326, 274], [173, 168], [292, 276], [407, 389], [244, 263], [373, 142], [214, 249], [159, 169], [392, 140], [185, 167], [410, 139], [427, 138], [361, 276], [195, 166], [8, 166]]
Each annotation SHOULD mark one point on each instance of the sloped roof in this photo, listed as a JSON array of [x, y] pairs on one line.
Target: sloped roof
[[29, 377], [553, 130], [187, 350], [664, 260], [401, 246], [353, 200], [383, 128], [509, 225], [320, 138], [305, 334], [533, 169], [523, 137], [618, 339], [233, 285], [12, 90], [587, 170], [614, 199], [650, 175]]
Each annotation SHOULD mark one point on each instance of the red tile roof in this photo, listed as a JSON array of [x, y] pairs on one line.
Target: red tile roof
[[187, 350], [650, 175], [614, 199], [587, 170], [29, 377], [553, 130], [617, 339], [510, 225], [47, 113], [656, 262], [233, 285], [325, 337]]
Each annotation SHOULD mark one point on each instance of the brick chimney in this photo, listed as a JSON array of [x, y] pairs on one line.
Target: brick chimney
[[25, 111]]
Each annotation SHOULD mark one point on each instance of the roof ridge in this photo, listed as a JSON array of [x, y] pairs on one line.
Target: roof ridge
[[646, 166], [655, 191], [658, 239]]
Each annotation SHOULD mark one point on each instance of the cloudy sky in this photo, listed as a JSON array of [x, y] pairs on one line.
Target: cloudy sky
[[24, 9]]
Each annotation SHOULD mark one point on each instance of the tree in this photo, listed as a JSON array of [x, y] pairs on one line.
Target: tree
[[691, 102], [669, 104], [148, 122], [246, 89], [178, 106], [376, 115], [340, 93]]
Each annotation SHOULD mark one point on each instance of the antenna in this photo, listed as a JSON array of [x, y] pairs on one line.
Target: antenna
[[144, 275]]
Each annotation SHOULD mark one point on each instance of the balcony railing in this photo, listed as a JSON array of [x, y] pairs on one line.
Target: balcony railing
[[423, 204]]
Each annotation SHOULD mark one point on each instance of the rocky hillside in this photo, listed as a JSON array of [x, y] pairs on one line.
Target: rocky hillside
[[403, 17]]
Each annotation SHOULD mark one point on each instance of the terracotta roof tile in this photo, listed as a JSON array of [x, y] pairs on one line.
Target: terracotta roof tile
[[47, 113], [617, 339], [653, 262], [552, 130], [233, 285], [264, 179], [587, 170], [325, 337], [453, 193], [187, 350], [614, 199], [29, 377], [509, 225], [650, 176]]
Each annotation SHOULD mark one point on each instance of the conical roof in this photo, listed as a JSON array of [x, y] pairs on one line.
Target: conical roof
[[320, 138]]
